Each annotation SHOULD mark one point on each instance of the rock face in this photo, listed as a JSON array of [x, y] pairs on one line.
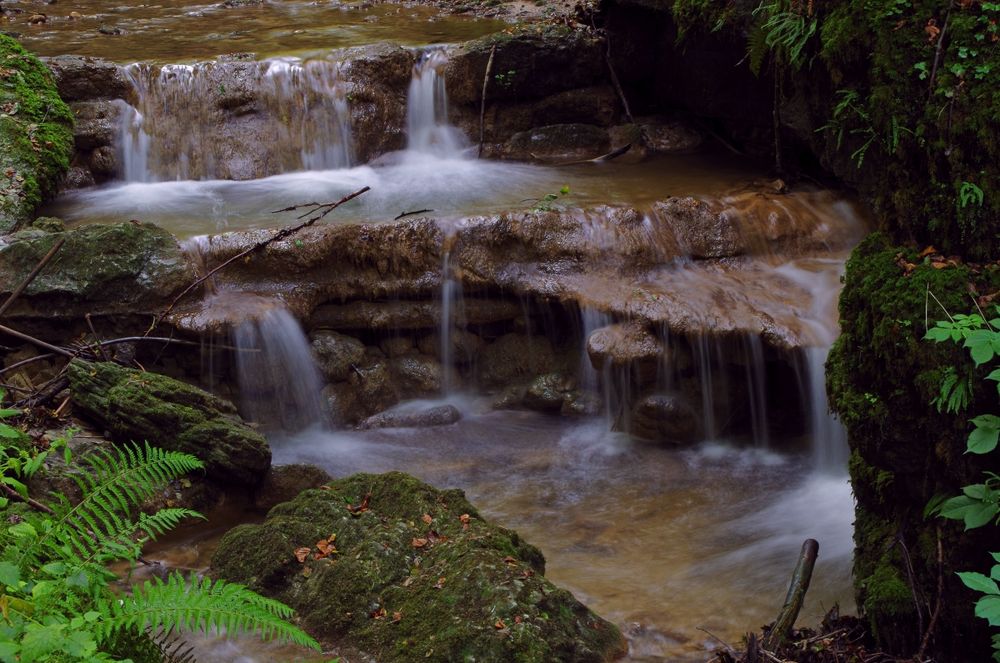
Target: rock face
[[418, 574], [36, 135], [626, 344], [440, 415], [666, 418], [558, 143], [145, 407], [124, 268]]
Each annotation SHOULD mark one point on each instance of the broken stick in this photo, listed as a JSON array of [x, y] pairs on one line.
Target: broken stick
[[783, 625]]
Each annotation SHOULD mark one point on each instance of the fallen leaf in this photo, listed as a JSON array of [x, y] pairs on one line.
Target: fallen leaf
[[396, 616], [427, 518], [325, 547], [510, 560], [499, 625], [518, 619], [378, 614], [464, 518], [440, 583], [932, 30], [418, 543], [302, 553], [928, 251]]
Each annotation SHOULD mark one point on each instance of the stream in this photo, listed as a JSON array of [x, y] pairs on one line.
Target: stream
[[680, 547]]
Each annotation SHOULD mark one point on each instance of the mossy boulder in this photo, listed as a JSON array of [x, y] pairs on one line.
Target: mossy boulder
[[139, 406], [100, 269], [882, 380], [418, 575], [36, 134]]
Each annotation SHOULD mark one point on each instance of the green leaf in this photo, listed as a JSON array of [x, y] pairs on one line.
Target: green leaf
[[937, 334], [978, 582], [995, 572], [976, 491], [982, 439], [988, 608], [980, 514], [10, 575], [955, 508], [10, 433]]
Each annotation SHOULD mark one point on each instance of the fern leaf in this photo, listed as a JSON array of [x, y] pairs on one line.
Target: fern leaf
[[757, 48], [199, 605], [116, 543], [117, 481]]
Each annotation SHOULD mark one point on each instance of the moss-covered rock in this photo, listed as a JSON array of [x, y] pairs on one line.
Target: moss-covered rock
[[139, 406], [882, 379], [121, 268], [36, 134], [418, 575]]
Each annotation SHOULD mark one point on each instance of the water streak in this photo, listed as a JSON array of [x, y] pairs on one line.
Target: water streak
[[427, 109]]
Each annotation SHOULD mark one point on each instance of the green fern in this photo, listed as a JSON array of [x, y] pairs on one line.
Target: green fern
[[116, 481], [200, 605]]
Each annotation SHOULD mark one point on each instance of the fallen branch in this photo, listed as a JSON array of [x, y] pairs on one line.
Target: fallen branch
[[35, 341], [31, 277], [937, 53], [403, 215], [38, 506], [280, 235], [482, 103], [797, 589], [604, 158]]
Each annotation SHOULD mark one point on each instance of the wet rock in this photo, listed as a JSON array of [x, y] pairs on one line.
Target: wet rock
[[512, 397], [374, 388], [103, 162], [547, 392], [665, 135], [628, 344], [103, 270], [581, 404], [80, 78], [49, 224], [667, 418], [336, 354], [393, 587], [342, 403], [146, 407], [515, 357], [96, 123], [559, 142], [465, 345], [703, 229], [440, 415], [396, 346], [78, 178], [285, 482], [379, 77], [416, 375], [408, 314], [526, 65]]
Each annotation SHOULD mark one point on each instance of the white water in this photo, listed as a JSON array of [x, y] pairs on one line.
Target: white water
[[280, 385], [428, 129]]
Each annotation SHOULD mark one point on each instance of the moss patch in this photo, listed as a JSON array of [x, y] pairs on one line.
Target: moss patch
[[418, 575], [36, 134]]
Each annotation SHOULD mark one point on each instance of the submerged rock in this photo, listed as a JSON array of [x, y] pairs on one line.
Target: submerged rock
[[667, 418], [417, 575], [440, 415], [137, 406]]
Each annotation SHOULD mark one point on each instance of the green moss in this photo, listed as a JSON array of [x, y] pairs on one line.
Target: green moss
[[36, 134], [404, 589]]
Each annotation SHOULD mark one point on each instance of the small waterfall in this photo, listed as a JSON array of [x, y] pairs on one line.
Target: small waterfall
[[280, 384], [427, 109], [756, 375], [234, 120], [705, 354], [452, 317]]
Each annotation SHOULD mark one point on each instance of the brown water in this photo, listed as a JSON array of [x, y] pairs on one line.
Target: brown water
[[450, 187], [166, 31], [664, 543]]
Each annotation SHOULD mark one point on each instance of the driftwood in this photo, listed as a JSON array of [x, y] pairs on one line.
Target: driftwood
[[319, 210], [604, 158], [482, 102], [782, 629]]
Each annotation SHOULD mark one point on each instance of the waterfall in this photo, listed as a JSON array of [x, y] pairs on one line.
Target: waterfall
[[427, 124], [280, 384], [452, 315], [756, 375], [234, 120]]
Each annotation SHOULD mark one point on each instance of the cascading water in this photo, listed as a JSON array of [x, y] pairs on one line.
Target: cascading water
[[280, 384], [756, 375], [427, 124], [452, 315], [234, 120]]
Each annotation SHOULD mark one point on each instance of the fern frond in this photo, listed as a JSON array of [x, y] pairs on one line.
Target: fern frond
[[118, 480], [200, 605], [757, 48], [119, 543]]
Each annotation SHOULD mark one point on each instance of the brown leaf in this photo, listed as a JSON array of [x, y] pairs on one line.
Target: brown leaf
[[932, 30], [499, 625], [418, 543], [325, 547], [928, 251], [427, 518], [378, 614], [518, 619], [396, 617], [440, 583], [302, 553], [510, 560], [464, 518]]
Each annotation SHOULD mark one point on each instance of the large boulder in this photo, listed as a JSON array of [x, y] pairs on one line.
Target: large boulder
[[81, 78], [137, 406], [628, 344], [558, 143], [407, 572], [336, 354], [115, 269], [36, 135]]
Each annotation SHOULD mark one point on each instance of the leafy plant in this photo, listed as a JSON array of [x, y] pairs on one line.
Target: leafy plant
[[55, 594], [785, 30], [969, 193], [547, 203], [979, 504]]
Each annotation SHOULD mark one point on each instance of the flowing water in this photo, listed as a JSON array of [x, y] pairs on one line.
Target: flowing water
[[671, 544], [170, 31]]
